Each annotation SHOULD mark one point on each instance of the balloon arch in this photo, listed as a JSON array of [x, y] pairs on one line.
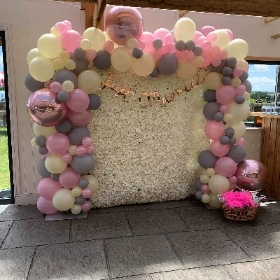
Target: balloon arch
[[64, 93]]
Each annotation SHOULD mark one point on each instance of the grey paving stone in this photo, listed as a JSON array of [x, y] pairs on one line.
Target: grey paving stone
[[148, 206], [269, 213], [259, 242], [13, 212], [72, 261], [139, 277], [155, 221], [100, 226], [132, 256], [36, 232], [205, 248], [4, 228], [15, 263]]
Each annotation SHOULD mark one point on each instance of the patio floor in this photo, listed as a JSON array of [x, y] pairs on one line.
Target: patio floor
[[170, 240]]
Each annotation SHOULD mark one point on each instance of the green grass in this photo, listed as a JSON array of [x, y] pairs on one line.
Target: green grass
[[4, 160]]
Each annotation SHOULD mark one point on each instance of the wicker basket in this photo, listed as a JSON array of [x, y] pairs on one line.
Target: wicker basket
[[241, 214]]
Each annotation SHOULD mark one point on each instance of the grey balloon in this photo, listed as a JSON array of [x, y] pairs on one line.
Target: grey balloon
[[218, 117], [190, 45], [31, 84], [244, 76], [79, 53], [102, 60], [232, 141], [226, 80], [63, 96], [180, 45], [209, 95], [94, 102], [210, 109], [224, 140], [40, 140], [84, 164], [55, 177], [197, 50], [247, 85], [198, 195], [206, 159], [83, 183], [42, 150], [157, 44], [237, 153], [197, 184], [64, 127], [81, 64], [41, 168], [155, 73], [65, 75], [219, 68], [80, 200], [137, 53], [231, 61], [227, 71], [239, 99], [77, 134], [229, 132], [168, 64]]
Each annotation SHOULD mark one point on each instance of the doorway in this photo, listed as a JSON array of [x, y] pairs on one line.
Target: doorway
[[6, 176]]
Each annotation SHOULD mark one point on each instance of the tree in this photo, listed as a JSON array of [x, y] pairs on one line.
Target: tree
[[262, 97]]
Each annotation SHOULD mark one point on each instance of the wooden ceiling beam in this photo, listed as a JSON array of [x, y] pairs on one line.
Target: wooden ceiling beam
[[89, 11], [182, 13], [270, 19], [262, 58]]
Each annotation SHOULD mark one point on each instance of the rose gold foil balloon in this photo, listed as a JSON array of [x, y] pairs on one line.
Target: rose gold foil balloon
[[123, 23], [251, 175], [44, 110]]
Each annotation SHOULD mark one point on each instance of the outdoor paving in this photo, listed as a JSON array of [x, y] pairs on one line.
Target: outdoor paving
[[178, 240]]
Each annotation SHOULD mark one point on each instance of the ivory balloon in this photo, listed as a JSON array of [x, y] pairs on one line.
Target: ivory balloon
[[210, 172], [143, 66], [96, 37], [76, 209], [213, 80], [32, 54], [121, 59], [58, 64], [89, 81], [49, 45], [218, 184], [184, 29], [239, 129], [215, 203], [238, 48], [239, 112], [85, 44], [43, 130], [206, 198], [41, 69], [76, 191], [186, 70], [63, 200], [243, 64], [93, 184], [222, 40], [55, 164]]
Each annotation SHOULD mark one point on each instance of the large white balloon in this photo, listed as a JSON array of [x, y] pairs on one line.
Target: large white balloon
[[184, 29], [238, 48]]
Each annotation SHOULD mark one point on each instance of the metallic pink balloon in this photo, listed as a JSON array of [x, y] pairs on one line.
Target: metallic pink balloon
[[123, 23], [251, 175], [44, 110]]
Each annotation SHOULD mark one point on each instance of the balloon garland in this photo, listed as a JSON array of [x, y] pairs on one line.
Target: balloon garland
[[64, 93]]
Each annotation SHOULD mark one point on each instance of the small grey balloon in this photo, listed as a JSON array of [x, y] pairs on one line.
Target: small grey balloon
[[55, 177], [209, 95], [227, 71], [80, 200], [224, 140], [79, 53], [94, 102], [198, 195], [42, 150], [197, 184], [239, 99], [206, 159], [232, 141], [190, 45], [137, 53], [218, 117], [237, 153], [226, 80], [77, 134], [247, 85], [41, 168], [155, 73], [231, 61], [157, 44], [219, 68], [180, 45], [229, 132], [244, 76], [167, 64], [31, 84], [83, 165], [197, 51], [210, 109], [63, 96], [83, 183], [65, 75], [102, 60], [40, 140], [64, 127], [81, 64]]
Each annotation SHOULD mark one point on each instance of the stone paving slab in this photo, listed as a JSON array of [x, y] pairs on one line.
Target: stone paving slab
[[132, 256], [4, 229], [37, 232], [98, 226], [15, 263], [13, 212], [206, 248], [155, 221]]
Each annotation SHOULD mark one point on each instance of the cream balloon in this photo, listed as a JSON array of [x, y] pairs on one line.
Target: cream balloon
[[55, 164], [198, 61], [76, 209], [186, 70], [222, 40], [243, 64], [239, 129], [121, 59], [54, 32], [218, 184], [76, 191], [64, 55], [108, 39], [204, 179], [246, 96], [49, 45], [85, 44], [58, 64], [215, 202], [33, 142], [239, 112], [93, 184], [67, 86], [184, 29], [228, 117], [32, 54], [41, 69], [132, 43], [89, 81], [96, 37], [70, 64], [206, 198], [213, 80], [72, 150], [235, 82], [143, 66], [43, 130], [238, 48], [63, 200], [210, 172]]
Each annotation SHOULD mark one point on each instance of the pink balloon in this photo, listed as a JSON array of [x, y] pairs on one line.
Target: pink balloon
[[190, 56], [90, 150], [224, 109], [207, 60], [61, 27], [68, 24], [81, 151], [237, 72], [78, 100], [48, 187], [218, 149], [81, 118], [57, 143], [216, 61], [108, 46], [67, 158], [148, 38], [225, 94], [214, 130], [47, 84], [161, 33], [87, 141], [164, 49], [141, 44], [206, 46], [52, 94], [181, 55], [212, 37], [172, 48], [240, 89], [225, 166], [86, 206], [205, 189], [45, 206], [197, 35], [71, 40], [201, 40], [215, 50], [224, 54], [205, 30], [156, 55], [90, 54], [230, 34], [86, 193], [169, 39], [241, 141], [69, 178], [232, 179], [55, 87]]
